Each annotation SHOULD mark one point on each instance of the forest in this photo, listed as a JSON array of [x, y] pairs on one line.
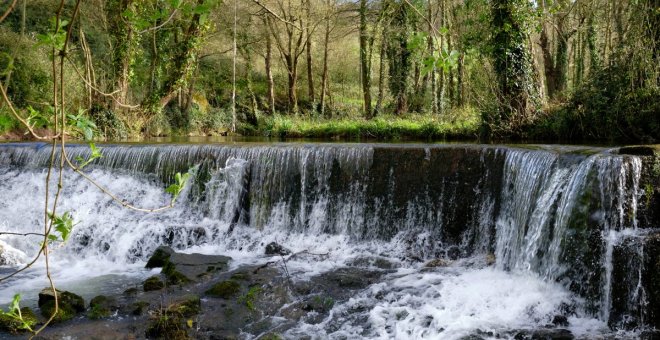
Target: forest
[[550, 70]]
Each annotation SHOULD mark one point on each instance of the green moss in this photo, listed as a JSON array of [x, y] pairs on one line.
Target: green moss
[[64, 312], [250, 297], [13, 325], [191, 305], [100, 307], [159, 259], [242, 276], [170, 323], [139, 307], [153, 283], [272, 336], [225, 289], [173, 276]]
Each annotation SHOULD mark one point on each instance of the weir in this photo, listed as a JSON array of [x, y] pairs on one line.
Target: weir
[[584, 218]]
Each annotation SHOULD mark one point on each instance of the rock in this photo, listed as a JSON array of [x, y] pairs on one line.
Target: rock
[[69, 304], [640, 150], [10, 256], [183, 268], [372, 261], [274, 248], [12, 325], [544, 334], [560, 321], [173, 321], [350, 278], [490, 259], [102, 307], [131, 291], [160, 257], [437, 263], [225, 289], [138, 308], [153, 283]]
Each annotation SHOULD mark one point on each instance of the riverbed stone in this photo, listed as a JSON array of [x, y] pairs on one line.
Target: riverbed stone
[[102, 307], [180, 268], [275, 248], [153, 283], [69, 304], [11, 325], [225, 289]]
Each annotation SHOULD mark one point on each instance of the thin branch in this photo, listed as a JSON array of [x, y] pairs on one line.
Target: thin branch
[[20, 234], [161, 25], [110, 194], [111, 94], [11, 8], [258, 2], [20, 119]]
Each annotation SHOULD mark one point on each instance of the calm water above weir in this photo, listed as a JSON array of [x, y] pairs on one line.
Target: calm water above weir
[[469, 240]]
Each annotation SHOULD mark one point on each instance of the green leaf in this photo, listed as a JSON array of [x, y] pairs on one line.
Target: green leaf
[[96, 153], [178, 185], [63, 225]]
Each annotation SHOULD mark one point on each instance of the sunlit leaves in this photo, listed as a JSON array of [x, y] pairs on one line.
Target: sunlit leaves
[[14, 314], [56, 35], [63, 225], [95, 154], [82, 124], [178, 185]]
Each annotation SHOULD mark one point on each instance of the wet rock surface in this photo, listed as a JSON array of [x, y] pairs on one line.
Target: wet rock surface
[[183, 268]]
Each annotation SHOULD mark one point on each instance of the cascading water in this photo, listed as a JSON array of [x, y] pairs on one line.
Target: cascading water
[[553, 220]]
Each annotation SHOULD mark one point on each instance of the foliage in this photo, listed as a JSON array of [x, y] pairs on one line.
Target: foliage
[[250, 297], [178, 185], [95, 154], [63, 224], [14, 317]]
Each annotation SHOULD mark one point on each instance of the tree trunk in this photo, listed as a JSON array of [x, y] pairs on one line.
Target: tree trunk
[[324, 76], [269, 71], [292, 80], [364, 62], [512, 63], [460, 95], [308, 48], [381, 74]]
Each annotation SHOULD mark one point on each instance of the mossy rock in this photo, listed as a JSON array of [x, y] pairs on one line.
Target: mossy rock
[[174, 277], [225, 289], [153, 283], [138, 308], [167, 326], [160, 257], [188, 306], [102, 307], [173, 321], [69, 304], [12, 325]]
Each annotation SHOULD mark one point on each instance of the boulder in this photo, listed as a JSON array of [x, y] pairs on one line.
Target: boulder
[[102, 307], [69, 304], [182, 268], [11, 325], [226, 289], [153, 283], [275, 248]]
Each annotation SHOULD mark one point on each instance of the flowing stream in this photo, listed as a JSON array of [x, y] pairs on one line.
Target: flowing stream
[[550, 218]]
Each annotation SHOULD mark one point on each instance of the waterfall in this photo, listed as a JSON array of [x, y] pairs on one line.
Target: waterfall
[[564, 215]]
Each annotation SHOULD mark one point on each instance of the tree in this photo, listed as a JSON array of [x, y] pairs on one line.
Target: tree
[[512, 63]]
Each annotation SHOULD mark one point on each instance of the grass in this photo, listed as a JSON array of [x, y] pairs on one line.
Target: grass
[[460, 124]]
